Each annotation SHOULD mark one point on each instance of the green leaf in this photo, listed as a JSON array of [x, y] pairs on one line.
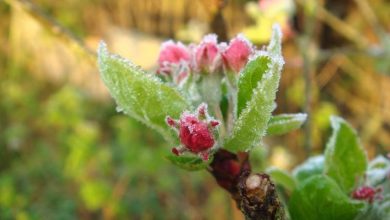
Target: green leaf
[[345, 159], [320, 198], [282, 178], [249, 79], [378, 210], [284, 123], [138, 94], [252, 123], [312, 166], [378, 169], [191, 163]]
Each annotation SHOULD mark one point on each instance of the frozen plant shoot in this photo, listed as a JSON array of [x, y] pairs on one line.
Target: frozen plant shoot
[[213, 103]]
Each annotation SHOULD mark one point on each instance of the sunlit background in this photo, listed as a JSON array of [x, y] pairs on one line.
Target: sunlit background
[[65, 153]]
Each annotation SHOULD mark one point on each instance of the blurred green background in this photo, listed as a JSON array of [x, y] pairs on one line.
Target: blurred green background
[[65, 153]]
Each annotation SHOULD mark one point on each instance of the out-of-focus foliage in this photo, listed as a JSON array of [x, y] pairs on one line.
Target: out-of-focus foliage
[[265, 13], [64, 155]]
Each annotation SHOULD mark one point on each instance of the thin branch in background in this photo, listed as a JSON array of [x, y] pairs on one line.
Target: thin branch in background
[[218, 24], [343, 28], [308, 52], [329, 70], [54, 26], [369, 15]]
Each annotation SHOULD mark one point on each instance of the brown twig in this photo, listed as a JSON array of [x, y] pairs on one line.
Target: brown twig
[[255, 194]]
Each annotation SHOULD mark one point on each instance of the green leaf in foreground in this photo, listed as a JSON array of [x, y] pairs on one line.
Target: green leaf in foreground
[[191, 163], [345, 159], [252, 123], [311, 167], [139, 94], [282, 178], [284, 123], [249, 79], [320, 198]]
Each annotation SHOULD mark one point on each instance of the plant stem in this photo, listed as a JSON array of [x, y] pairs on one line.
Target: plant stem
[[255, 194]]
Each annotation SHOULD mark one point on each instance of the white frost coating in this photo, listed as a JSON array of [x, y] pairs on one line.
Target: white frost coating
[[257, 54], [269, 83], [298, 117], [168, 43], [342, 149], [138, 70], [274, 70], [120, 91], [119, 109], [311, 163], [335, 124], [222, 46], [210, 38], [275, 46], [242, 38]]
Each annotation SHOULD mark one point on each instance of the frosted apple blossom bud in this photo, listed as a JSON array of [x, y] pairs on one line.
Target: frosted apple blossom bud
[[207, 54], [237, 53], [196, 132], [172, 54]]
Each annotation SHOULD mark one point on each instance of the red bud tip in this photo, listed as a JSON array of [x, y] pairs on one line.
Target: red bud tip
[[171, 122], [214, 123], [204, 156], [202, 110], [175, 151]]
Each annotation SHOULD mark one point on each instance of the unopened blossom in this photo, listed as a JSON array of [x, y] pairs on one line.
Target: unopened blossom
[[367, 193], [236, 55], [196, 132], [172, 55], [207, 54]]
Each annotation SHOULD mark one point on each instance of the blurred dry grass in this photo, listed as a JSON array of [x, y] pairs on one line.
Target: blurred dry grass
[[348, 58]]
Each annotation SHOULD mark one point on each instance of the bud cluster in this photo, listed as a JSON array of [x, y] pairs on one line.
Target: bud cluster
[[177, 61], [196, 132]]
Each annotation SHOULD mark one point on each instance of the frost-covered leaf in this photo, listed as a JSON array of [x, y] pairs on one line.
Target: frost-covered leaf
[[378, 169], [282, 178], [252, 123], [191, 163], [311, 167], [249, 79], [377, 175], [139, 94], [320, 198], [377, 211], [284, 123], [345, 159]]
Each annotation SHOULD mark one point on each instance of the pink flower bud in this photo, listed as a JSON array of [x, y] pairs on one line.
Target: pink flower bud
[[367, 193], [237, 53], [207, 54], [265, 4], [172, 54], [195, 132]]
